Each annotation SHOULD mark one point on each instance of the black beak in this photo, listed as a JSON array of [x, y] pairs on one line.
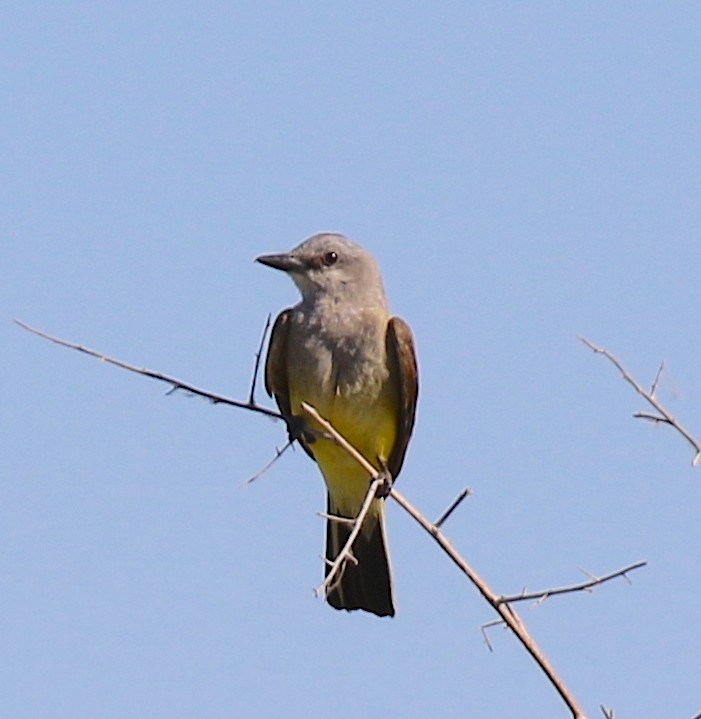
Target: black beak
[[284, 262]]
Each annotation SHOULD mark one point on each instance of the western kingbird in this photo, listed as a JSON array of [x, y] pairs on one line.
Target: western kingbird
[[340, 351]]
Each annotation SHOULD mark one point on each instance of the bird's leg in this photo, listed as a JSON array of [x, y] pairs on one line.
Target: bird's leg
[[298, 429]]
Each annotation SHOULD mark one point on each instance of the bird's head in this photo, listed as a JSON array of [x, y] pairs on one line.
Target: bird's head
[[330, 265]]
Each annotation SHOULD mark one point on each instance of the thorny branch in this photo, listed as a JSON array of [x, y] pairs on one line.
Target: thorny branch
[[663, 415], [544, 594], [500, 604], [175, 384], [505, 611], [261, 472], [503, 608], [178, 385], [346, 554]]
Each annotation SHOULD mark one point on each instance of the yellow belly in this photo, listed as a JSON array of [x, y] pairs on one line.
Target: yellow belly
[[369, 423]]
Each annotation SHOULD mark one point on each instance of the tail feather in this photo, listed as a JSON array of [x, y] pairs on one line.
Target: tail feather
[[366, 585]]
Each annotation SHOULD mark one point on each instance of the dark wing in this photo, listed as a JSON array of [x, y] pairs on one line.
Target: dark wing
[[401, 359], [276, 363], [276, 380]]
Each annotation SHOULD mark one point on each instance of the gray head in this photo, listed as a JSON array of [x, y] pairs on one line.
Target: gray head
[[331, 265]]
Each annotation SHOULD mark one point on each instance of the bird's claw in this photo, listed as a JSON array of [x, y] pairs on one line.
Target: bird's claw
[[385, 486], [297, 429]]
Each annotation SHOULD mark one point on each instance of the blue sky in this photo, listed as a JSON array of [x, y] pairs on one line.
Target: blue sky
[[524, 174]]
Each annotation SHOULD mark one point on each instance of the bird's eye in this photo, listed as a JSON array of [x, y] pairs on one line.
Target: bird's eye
[[330, 258]]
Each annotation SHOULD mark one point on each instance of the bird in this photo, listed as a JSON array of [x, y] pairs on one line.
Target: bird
[[341, 351]]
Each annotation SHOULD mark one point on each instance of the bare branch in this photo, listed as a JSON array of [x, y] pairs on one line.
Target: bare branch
[[608, 713], [505, 611], [501, 605], [581, 587], [175, 384], [664, 415]]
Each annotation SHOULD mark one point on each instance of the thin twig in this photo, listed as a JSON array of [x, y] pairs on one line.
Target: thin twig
[[348, 521], [336, 567], [656, 381], [453, 506], [278, 454], [608, 713], [256, 365], [175, 384], [654, 418], [488, 625], [581, 587], [665, 416]]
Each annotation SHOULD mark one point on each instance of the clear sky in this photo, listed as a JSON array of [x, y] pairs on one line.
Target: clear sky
[[524, 173]]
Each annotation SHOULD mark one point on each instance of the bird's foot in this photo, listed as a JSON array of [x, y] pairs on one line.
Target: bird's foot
[[298, 429], [385, 486]]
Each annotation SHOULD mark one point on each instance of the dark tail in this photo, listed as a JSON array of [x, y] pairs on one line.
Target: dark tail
[[368, 584]]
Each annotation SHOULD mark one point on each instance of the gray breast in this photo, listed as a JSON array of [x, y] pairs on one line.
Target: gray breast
[[346, 352]]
